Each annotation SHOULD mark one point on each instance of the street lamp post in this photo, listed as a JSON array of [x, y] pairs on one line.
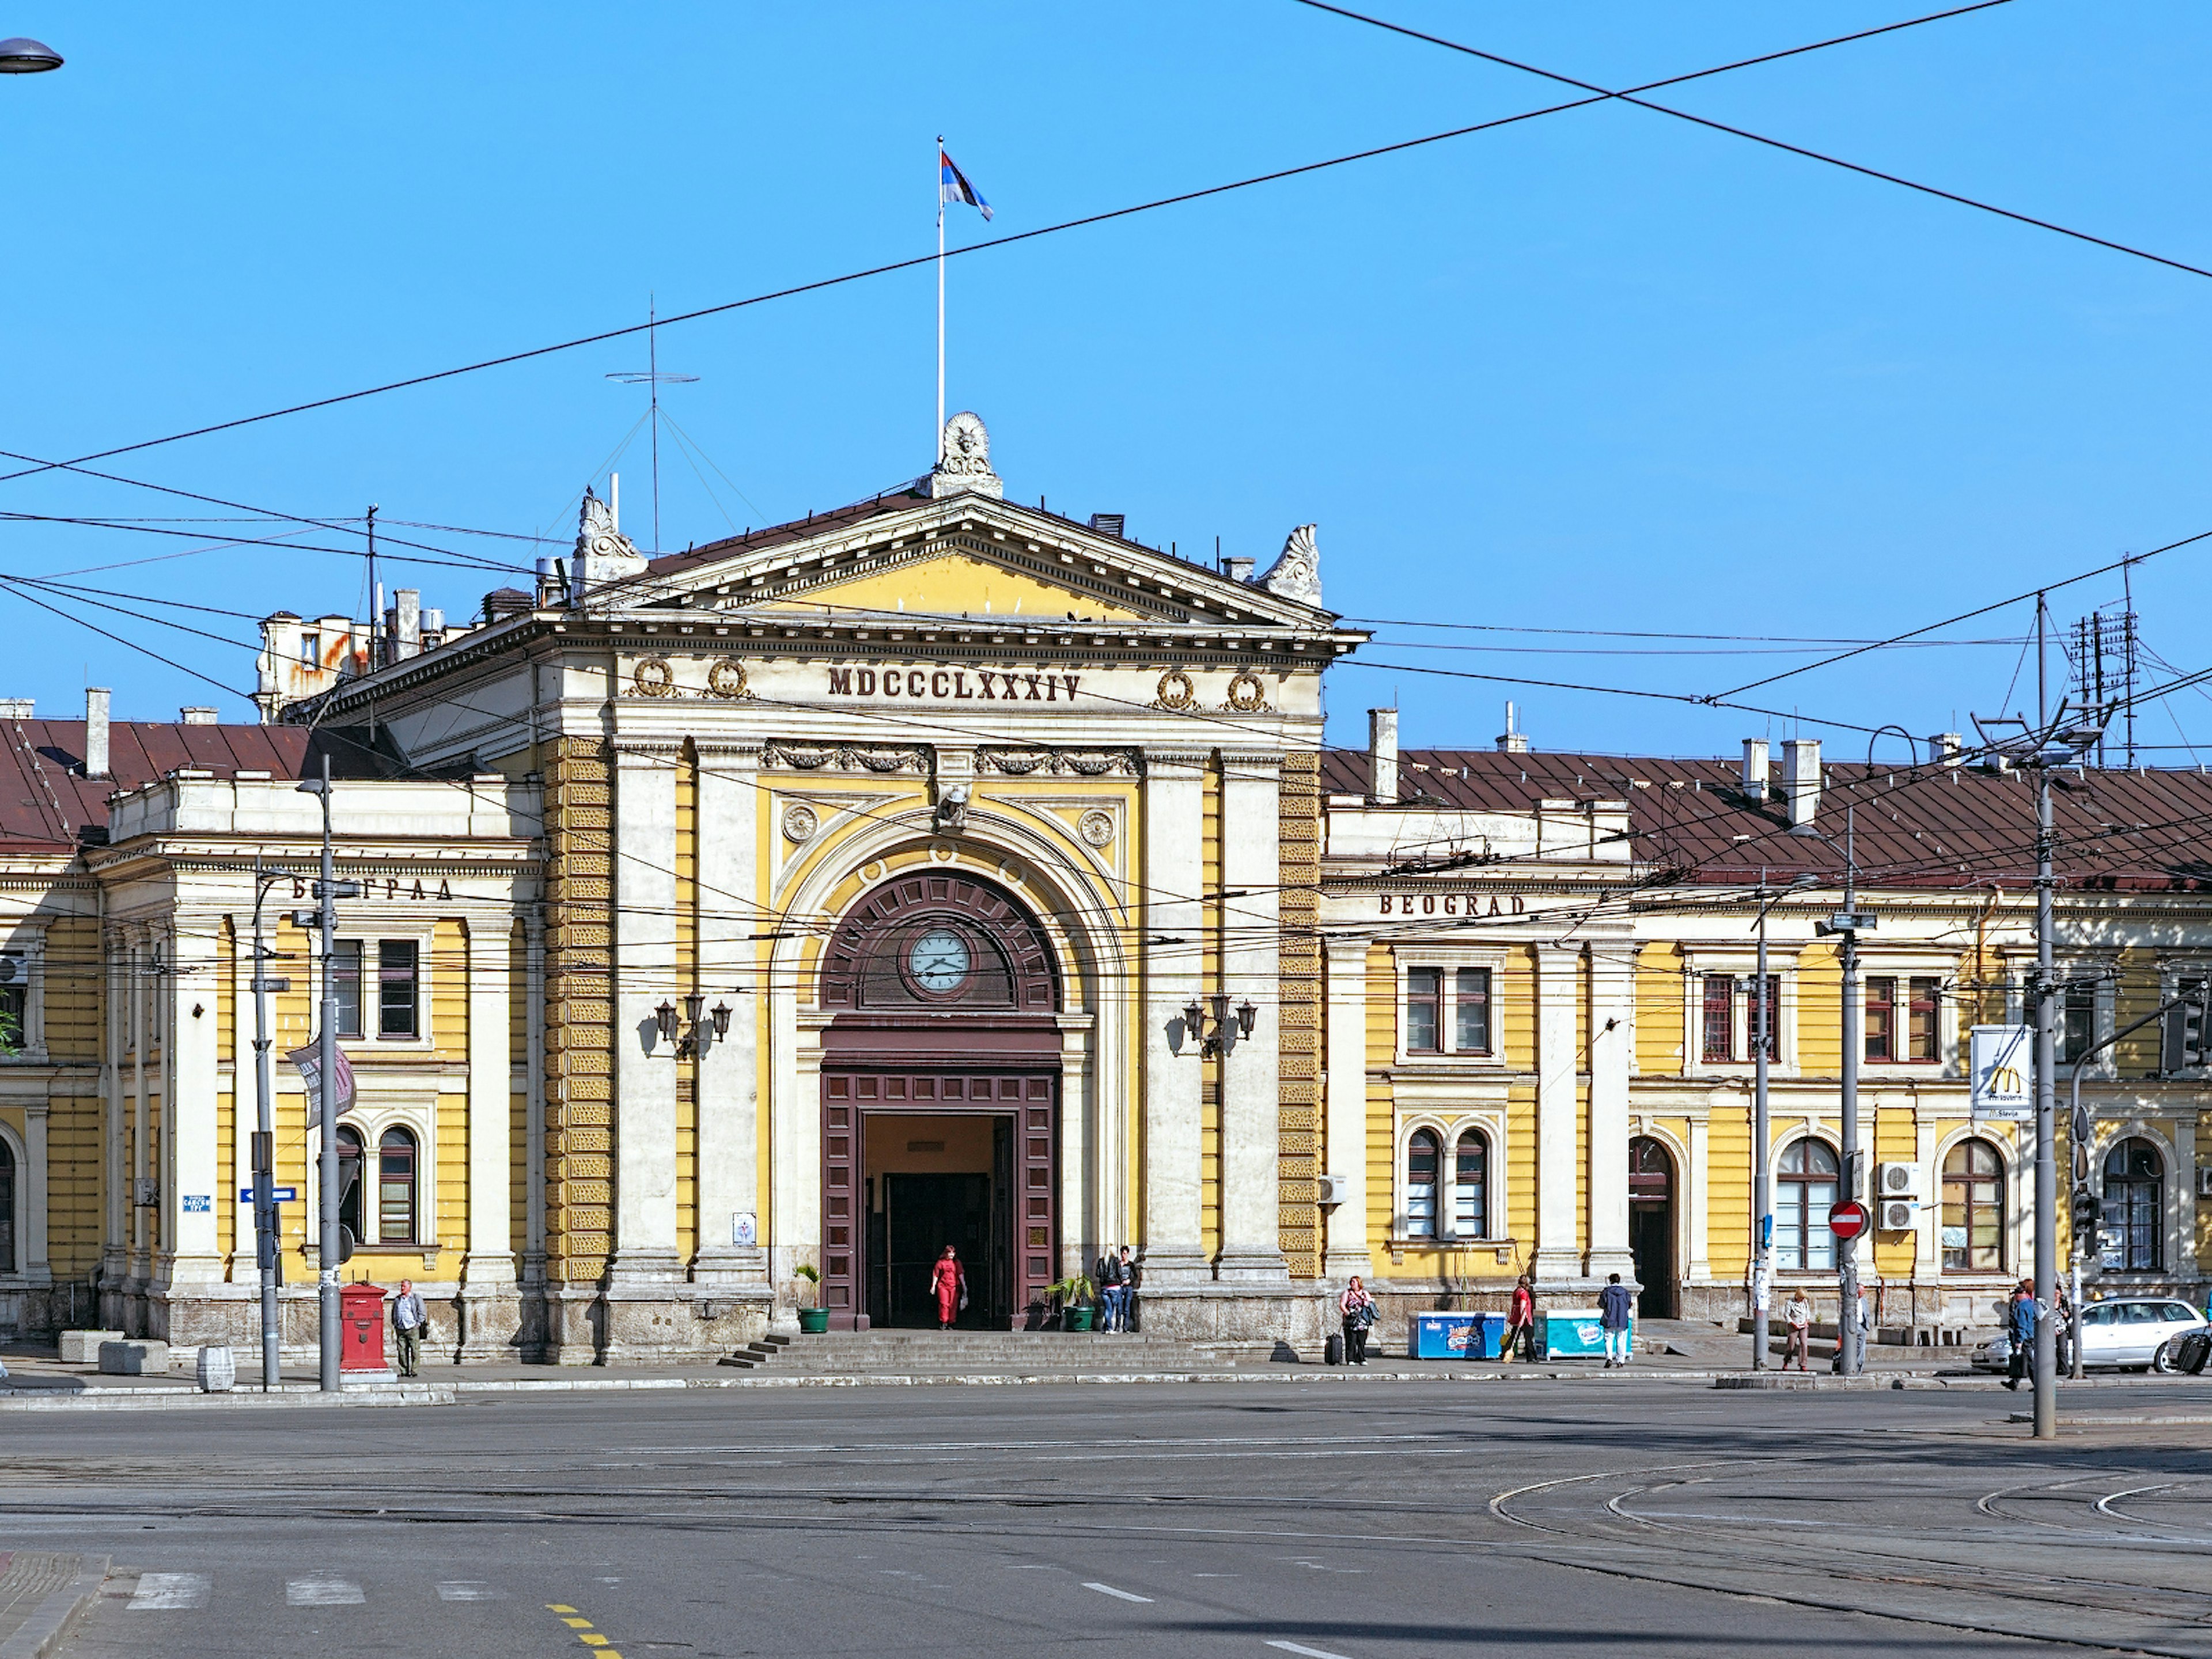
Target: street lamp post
[[23, 56]]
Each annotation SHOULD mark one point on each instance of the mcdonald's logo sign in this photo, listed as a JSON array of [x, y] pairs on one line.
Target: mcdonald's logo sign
[[1999, 1068]]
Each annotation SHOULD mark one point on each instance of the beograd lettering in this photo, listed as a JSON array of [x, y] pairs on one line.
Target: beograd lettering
[[393, 888], [953, 684], [1450, 904]]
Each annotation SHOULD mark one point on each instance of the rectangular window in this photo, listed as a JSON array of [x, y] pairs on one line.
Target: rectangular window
[[1471, 1011], [1424, 992], [395, 988], [15, 1003], [2077, 1019], [1924, 1027], [1880, 1019], [345, 985], [1720, 1018], [1773, 1019], [311, 650]]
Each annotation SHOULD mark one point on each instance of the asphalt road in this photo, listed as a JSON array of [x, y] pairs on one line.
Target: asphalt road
[[1360, 1519]]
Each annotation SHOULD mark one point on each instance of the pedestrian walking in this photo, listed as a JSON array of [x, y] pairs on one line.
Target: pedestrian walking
[[1797, 1319], [1616, 1312], [948, 1284], [1357, 1310], [2020, 1321], [407, 1318], [1113, 1292], [1520, 1322]]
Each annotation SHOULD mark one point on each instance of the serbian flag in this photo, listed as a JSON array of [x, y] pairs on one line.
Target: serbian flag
[[952, 185]]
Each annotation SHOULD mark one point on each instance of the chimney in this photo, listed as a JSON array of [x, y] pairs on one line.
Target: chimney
[[1949, 746], [1755, 767], [406, 622], [1511, 740], [1800, 780], [434, 629], [17, 708], [196, 716], [1382, 754], [1240, 570], [96, 731]]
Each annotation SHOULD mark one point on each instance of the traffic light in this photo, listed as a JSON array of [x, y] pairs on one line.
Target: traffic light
[[2088, 1212], [2187, 1027]]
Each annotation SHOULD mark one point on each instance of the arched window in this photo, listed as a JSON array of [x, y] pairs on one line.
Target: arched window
[[350, 1211], [1805, 1190], [1973, 1209], [2134, 1235], [1424, 1152], [395, 1187], [1471, 1187], [8, 1263]]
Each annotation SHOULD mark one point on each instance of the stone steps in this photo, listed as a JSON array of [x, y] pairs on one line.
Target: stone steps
[[983, 1353]]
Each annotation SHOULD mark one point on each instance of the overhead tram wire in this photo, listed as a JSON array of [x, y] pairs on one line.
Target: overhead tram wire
[[1629, 96], [1082, 222]]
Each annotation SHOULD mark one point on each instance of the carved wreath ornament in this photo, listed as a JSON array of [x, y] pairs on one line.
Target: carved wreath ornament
[[654, 678], [725, 679], [1176, 690], [1247, 695]]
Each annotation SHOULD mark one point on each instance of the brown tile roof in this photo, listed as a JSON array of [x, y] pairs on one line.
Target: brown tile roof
[[46, 801], [2147, 830]]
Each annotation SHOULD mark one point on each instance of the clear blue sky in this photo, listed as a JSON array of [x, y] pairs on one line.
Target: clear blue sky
[[1602, 370]]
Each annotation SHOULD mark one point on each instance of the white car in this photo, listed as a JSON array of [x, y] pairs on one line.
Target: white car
[[2121, 1331]]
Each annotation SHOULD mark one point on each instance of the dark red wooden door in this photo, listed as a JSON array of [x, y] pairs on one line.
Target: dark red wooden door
[[1030, 1100]]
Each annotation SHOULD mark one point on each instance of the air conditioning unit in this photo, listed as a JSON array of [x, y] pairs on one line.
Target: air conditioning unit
[[1896, 1181], [1898, 1215], [1333, 1190]]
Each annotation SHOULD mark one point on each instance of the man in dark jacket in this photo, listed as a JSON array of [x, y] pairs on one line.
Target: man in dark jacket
[[1616, 1312], [2020, 1322]]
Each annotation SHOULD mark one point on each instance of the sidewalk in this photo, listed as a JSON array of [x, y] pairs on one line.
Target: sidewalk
[[42, 1595]]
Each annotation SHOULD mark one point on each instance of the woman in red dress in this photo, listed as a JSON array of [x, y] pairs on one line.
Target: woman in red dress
[[949, 1286]]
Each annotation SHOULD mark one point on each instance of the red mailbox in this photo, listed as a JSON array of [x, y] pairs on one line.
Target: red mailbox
[[361, 1324]]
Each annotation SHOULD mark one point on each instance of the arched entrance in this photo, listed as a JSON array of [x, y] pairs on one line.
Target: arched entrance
[[940, 1103], [1652, 1225]]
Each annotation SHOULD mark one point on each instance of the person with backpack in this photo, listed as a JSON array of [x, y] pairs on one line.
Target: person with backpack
[[1357, 1310], [1616, 1313]]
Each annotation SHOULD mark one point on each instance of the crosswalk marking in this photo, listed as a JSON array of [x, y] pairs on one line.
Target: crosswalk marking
[[1313, 1653], [469, 1589], [169, 1592], [1126, 1595], [322, 1593]]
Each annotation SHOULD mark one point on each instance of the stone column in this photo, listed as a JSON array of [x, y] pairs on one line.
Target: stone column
[[1697, 1194], [1556, 1257], [191, 1177], [1174, 878], [114, 1265], [1344, 1127], [137, 967], [1612, 1059], [728, 1138], [489, 1309], [1086, 1228], [34, 1265], [645, 1268], [1251, 1127]]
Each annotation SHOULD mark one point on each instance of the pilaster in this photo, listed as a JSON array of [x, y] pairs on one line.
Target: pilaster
[[192, 1179], [1346, 1126], [1557, 1256], [488, 1289], [728, 1137], [36, 1263], [1612, 1058], [1251, 1130], [1173, 885]]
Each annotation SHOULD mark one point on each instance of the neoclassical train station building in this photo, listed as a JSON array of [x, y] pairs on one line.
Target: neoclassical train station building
[[943, 870]]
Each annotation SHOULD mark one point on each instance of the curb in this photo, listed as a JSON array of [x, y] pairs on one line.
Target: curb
[[133, 1400], [37, 1637]]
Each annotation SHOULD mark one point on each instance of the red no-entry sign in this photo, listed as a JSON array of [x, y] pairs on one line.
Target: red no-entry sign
[[1848, 1220]]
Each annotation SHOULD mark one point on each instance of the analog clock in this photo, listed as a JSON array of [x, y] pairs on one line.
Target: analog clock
[[939, 961]]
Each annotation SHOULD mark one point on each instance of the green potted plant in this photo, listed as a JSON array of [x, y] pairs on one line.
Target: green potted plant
[[812, 1321], [1074, 1294]]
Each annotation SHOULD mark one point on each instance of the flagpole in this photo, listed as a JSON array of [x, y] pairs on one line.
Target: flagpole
[[937, 441]]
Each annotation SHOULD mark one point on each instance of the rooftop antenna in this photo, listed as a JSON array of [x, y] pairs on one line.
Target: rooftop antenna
[[652, 378]]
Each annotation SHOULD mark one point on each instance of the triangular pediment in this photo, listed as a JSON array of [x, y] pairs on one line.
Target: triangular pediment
[[969, 555]]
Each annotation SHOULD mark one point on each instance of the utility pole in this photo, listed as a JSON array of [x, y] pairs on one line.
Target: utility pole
[[267, 1238], [1762, 1203], [2046, 1051], [327, 892], [1850, 1336]]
